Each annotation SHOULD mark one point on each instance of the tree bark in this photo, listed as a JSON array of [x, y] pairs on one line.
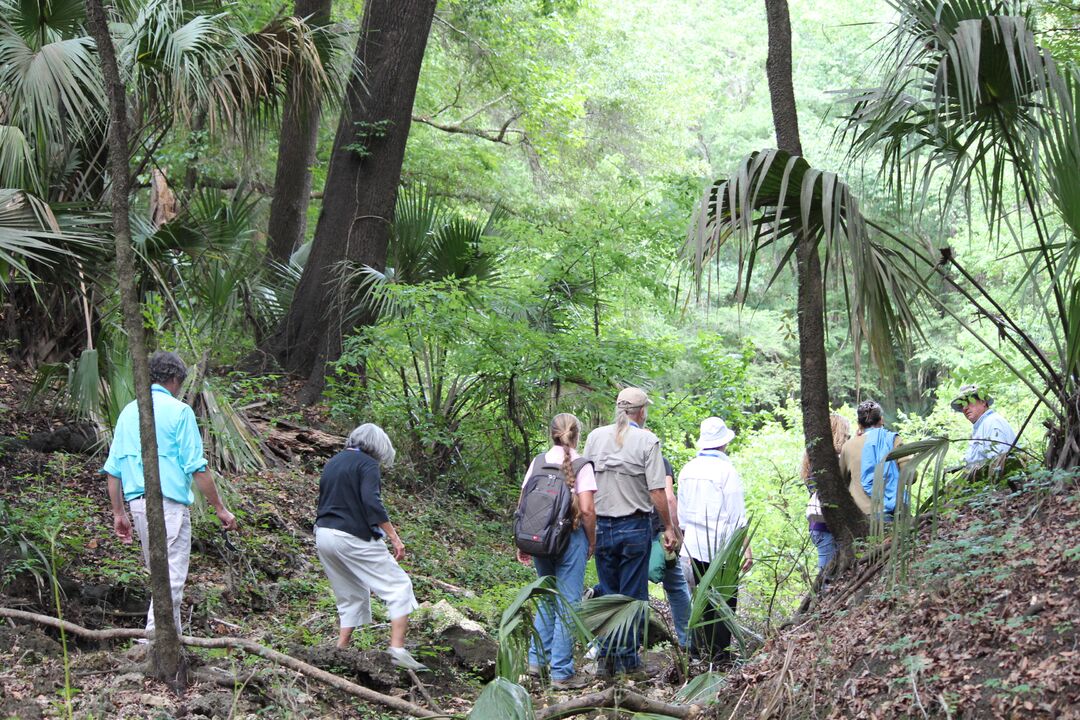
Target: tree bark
[[843, 516], [166, 654], [296, 154], [361, 185]]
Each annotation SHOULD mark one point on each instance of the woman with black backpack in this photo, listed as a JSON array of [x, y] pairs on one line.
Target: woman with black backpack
[[554, 645]]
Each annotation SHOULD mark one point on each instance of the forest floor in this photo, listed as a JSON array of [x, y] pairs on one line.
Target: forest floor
[[983, 625]]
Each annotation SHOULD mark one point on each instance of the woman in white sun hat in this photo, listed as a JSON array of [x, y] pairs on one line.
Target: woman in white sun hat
[[711, 508]]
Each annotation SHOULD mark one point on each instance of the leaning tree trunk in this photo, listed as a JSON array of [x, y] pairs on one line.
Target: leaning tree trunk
[[296, 154], [166, 654], [843, 516], [361, 185]]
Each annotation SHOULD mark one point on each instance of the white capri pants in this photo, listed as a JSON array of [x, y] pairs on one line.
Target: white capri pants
[[178, 534], [356, 568]]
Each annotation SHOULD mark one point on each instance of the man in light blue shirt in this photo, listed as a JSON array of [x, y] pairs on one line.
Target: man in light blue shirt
[[992, 436], [180, 462]]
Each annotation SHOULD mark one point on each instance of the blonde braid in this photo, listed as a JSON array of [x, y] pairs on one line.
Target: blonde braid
[[565, 431]]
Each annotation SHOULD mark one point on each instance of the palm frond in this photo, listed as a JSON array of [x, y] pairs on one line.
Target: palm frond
[[621, 620], [49, 85], [17, 164], [30, 237], [206, 63], [516, 628], [721, 582], [774, 198], [502, 698], [701, 689]]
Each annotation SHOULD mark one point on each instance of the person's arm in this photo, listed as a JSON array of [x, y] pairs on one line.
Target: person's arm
[[738, 497], [588, 518], [205, 482], [121, 521], [395, 541], [672, 501], [654, 478]]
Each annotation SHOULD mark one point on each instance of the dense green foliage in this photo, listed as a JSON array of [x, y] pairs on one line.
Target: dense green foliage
[[585, 132]]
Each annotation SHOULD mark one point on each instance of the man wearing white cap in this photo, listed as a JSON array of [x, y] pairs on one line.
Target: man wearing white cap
[[630, 483], [711, 508], [991, 435]]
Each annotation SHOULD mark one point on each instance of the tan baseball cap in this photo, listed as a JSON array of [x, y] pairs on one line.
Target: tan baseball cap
[[632, 397]]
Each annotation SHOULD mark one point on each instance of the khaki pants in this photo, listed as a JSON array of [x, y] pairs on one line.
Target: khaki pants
[[178, 532]]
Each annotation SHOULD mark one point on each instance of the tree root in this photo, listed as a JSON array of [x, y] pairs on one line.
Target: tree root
[[616, 697], [252, 648]]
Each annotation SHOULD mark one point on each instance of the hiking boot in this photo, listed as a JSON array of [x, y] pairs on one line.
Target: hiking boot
[[400, 657], [534, 670], [574, 682]]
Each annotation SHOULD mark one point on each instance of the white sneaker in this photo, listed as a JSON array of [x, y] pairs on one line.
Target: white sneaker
[[400, 657]]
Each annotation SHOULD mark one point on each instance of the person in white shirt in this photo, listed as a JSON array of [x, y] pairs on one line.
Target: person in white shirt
[[711, 509], [992, 437]]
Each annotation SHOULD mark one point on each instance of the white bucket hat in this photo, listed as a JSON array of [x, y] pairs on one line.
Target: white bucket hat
[[714, 433]]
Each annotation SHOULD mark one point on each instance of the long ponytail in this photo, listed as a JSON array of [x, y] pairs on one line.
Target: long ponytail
[[622, 424], [565, 431]]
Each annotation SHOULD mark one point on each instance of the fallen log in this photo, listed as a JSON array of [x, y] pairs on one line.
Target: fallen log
[[617, 697], [231, 643]]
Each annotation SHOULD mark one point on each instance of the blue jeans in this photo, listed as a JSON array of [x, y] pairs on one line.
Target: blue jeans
[[622, 565], [678, 597], [826, 546], [552, 630]]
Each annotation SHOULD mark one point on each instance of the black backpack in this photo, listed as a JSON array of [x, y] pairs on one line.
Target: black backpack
[[544, 518]]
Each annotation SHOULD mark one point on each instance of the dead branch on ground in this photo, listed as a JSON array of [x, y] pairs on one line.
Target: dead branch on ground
[[616, 697], [231, 643]]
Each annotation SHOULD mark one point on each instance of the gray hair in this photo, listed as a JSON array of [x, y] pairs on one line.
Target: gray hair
[[164, 366], [373, 440]]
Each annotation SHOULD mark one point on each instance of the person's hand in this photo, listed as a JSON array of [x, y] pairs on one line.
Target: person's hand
[[228, 520], [672, 540], [122, 527], [399, 549], [748, 560], [591, 553], [524, 558]]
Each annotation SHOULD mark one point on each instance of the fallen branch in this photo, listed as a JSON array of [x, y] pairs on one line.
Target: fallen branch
[[446, 586], [616, 697], [252, 648]]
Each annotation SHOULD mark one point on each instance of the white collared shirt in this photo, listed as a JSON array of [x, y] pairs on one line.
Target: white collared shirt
[[991, 436], [711, 504]]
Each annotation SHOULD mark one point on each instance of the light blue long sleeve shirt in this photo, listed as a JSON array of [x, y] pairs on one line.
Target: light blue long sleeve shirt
[[991, 436], [180, 448]]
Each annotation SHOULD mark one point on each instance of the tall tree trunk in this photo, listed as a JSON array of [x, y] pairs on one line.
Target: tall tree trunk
[[361, 185], [166, 653], [843, 516], [296, 154]]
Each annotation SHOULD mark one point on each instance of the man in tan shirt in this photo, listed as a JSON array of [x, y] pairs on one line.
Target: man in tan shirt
[[630, 483]]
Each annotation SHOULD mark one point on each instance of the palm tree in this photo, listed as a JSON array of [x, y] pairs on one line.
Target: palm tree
[[968, 99], [181, 64], [776, 198]]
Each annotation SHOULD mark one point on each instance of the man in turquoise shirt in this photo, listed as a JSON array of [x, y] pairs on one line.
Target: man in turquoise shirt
[[180, 462]]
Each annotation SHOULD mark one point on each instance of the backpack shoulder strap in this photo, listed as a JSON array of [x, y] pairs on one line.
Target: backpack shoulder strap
[[580, 463], [538, 462]]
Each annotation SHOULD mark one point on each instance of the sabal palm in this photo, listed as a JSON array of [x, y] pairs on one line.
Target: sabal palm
[[771, 200], [969, 98], [180, 60]]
